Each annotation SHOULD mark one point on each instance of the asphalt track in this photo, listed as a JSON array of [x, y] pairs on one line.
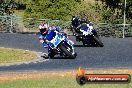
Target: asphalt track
[[116, 53]]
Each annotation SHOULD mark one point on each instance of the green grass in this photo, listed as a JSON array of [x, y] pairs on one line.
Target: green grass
[[8, 55], [19, 13], [60, 82]]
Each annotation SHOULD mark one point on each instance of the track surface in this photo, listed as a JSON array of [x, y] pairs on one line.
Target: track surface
[[116, 53]]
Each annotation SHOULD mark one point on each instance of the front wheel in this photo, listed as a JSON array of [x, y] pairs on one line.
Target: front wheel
[[98, 41], [67, 50], [51, 55]]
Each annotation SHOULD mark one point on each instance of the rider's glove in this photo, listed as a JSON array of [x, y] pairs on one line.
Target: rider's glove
[[75, 34], [41, 41], [44, 45]]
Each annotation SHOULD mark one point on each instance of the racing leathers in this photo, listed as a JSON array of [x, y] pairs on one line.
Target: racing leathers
[[46, 38]]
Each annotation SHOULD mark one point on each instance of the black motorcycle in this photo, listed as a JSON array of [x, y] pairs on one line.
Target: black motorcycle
[[87, 36]]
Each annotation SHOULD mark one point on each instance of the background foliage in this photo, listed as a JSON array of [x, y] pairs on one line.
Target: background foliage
[[51, 9], [59, 12], [95, 10]]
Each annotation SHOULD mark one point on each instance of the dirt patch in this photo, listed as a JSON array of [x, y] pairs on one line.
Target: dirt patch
[[7, 76]]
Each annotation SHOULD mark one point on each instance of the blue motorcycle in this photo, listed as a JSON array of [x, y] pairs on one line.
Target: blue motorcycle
[[58, 43]]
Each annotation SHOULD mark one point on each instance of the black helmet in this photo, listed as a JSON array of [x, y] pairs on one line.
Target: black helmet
[[75, 21]]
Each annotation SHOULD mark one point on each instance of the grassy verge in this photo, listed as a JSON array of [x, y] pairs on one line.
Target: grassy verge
[[59, 82], [8, 55], [51, 79]]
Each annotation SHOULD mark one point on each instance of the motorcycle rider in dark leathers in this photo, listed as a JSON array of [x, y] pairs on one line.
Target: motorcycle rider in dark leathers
[[79, 25]]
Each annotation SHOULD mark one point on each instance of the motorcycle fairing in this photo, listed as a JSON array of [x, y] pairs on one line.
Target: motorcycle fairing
[[51, 35], [55, 40], [86, 29]]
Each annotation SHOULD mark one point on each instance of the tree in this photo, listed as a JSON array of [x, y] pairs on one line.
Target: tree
[[112, 3], [7, 7], [129, 10], [119, 4], [52, 9], [113, 11]]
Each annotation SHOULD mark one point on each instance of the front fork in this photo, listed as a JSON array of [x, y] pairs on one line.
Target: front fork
[[71, 44]]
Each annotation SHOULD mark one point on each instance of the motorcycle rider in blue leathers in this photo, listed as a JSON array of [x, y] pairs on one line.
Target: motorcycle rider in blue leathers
[[46, 34]]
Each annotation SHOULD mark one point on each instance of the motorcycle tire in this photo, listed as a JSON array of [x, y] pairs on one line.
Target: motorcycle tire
[[51, 55], [63, 48], [98, 41], [84, 43]]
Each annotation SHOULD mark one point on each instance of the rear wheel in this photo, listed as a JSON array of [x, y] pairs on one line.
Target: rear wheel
[[98, 41], [67, 50]]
